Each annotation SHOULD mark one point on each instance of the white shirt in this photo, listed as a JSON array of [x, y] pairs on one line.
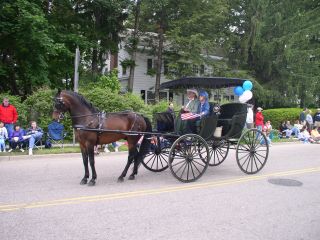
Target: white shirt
[[309, 118], [249, 116]]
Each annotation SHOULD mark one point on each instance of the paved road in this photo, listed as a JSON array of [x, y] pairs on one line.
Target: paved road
[[41, 199]]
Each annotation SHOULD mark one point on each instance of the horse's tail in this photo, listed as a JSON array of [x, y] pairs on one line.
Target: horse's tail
[[145, 145]]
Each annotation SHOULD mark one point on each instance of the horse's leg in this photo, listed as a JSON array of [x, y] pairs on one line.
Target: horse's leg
[[135, 166], [132, 152], [93, 169], [85, 164]]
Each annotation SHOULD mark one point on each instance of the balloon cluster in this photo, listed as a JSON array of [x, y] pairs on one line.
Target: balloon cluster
[[244, 92]]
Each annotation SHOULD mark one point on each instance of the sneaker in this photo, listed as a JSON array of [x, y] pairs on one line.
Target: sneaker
[[26, 137], [21, 149], [10, 150], [30, 152]]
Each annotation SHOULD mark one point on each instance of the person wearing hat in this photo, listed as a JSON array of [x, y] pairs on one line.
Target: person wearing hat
[[316, 118], [259, 119], [193, 102], [191, 106], [203, 110]]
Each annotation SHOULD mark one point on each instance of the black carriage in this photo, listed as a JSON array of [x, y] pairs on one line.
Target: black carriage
[[189, 155]]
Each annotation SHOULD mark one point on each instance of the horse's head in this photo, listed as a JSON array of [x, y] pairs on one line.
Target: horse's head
[[60, 106]]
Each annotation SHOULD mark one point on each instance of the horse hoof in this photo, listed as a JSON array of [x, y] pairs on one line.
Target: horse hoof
[[120, 179], [83, 181], [131, 177], [92, 182]]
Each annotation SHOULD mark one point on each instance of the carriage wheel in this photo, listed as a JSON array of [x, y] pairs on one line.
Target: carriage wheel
[[252, 151], [157, 159], [189, 158], [218, 150]]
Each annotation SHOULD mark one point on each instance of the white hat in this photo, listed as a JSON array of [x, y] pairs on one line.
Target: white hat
[[259, 109], [193, 91]]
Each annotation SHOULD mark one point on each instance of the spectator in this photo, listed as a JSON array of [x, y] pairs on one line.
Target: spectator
[[282, 129], [316, 118], [298, 125], [16, 139], [315, 134], [309, 120], [304, 136], [302, 117], [115, 146], [259, 119], [34, 133], [291, 130], [267, 128], [8, 115], [3, 137], [249, 120]]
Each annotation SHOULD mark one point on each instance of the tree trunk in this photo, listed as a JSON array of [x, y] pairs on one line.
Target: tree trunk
[[159, 64], [94, 63], [134, 47]]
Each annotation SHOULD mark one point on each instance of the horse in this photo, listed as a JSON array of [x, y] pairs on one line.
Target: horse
[[84, 115]]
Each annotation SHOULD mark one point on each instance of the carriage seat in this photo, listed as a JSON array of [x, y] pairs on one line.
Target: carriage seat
[[164, 121], [228, 113]]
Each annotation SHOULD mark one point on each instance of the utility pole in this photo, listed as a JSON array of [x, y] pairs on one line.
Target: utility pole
[[76, 81]]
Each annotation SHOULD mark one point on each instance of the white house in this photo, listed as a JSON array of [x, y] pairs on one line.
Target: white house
[[144, 84]]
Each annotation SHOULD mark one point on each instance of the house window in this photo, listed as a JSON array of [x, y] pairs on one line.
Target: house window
[[201, 69], [149, 64], [195, 69], [124, 71], [232, 97], [143, 94]]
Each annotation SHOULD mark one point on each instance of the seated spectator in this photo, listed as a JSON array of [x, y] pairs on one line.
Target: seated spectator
[[3, 137], [34, 133], [282, 129], [291, 130], [267, 128], [16, 139], [298, 125], [315, 134], [304, 136]]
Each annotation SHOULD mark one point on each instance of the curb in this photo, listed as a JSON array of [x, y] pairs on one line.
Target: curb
[[57, 155]]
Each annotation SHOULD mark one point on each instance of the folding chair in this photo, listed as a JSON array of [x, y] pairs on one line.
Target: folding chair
[[56, 133]]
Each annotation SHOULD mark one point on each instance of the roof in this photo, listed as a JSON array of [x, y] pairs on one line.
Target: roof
[[202, 82]]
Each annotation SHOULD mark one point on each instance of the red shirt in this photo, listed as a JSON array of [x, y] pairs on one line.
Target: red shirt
[[259, 119], [8, 114]]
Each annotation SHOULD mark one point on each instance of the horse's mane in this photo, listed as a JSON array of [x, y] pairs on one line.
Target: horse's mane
[[83, 101]]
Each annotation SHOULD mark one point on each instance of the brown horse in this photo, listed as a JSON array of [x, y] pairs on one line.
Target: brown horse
[[84, 115]]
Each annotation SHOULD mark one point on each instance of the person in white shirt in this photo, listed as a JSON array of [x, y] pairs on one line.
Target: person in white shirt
[[249, 120], [309, 120]]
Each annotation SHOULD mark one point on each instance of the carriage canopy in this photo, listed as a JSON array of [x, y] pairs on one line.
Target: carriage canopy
[[203, 82]]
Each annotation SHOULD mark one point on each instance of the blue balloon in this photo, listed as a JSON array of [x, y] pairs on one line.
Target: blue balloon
[[238, 91], [247, 85]]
